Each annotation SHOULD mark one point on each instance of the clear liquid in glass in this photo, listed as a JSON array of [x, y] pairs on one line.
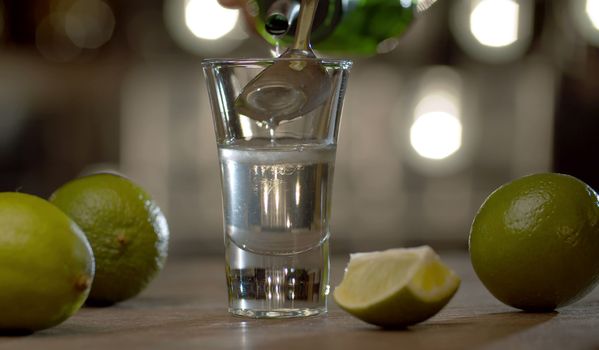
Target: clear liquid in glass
[[276, 201]]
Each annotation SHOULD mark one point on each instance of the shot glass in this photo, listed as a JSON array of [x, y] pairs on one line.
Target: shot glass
[[276, 192]]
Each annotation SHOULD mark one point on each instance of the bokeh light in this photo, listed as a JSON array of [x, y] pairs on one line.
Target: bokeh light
[[592, 10], [495, 31], [52, 41], [436, 135], [203, 27], [494, 23], [435, 124], [73, 26], [89, 23], [584, 18], [206, 19]]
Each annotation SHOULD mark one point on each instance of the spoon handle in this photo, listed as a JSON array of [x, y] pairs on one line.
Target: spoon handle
[[304, 25]]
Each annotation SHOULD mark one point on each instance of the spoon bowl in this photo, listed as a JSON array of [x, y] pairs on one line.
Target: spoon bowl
[[294, 85]]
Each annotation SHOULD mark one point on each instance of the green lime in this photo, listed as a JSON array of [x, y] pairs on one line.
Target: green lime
[[126, 229], [397, 287], [46, 264], [534, 242]]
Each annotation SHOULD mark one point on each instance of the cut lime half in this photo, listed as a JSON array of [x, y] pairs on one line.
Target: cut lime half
[[397, 287]]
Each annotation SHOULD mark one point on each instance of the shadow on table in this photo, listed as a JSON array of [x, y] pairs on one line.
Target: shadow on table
[[460, 332], [480, 329]]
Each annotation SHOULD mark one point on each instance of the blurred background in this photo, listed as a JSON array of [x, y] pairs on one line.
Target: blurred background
[[476, 93]]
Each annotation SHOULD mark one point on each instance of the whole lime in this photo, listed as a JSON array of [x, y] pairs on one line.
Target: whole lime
[[534, 243], [46, 264], [126, 229]]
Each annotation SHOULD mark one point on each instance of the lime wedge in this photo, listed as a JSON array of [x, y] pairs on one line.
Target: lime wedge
[[397, 287]]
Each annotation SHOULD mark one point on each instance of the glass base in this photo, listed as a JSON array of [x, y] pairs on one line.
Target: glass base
[[277, 286], [278, 313]]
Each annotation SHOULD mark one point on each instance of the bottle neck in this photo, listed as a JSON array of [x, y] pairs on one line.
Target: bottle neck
[[282, 15]]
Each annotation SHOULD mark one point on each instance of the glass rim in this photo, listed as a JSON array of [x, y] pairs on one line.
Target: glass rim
[[208, 62]]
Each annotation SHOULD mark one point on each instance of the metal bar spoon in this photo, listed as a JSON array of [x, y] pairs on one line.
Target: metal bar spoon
[[296, 84]]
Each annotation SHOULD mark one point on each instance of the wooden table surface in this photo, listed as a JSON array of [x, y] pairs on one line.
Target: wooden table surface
[[185, 308]]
